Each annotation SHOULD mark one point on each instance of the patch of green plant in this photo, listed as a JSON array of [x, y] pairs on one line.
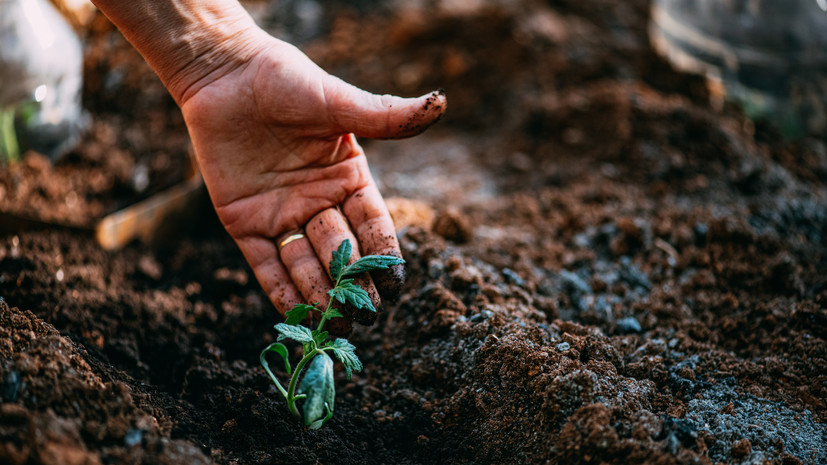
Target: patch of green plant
[[9, 149], [315, 389]]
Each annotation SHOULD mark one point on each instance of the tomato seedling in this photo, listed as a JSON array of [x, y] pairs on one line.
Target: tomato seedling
[[316, 387]]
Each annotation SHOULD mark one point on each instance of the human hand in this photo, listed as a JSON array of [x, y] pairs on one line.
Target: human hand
[[274, 138]]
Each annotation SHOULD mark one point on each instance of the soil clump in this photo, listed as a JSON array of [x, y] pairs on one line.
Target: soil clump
[[602, 268]]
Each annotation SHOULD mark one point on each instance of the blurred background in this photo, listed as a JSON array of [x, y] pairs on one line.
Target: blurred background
[[616, 241], [74, 92]]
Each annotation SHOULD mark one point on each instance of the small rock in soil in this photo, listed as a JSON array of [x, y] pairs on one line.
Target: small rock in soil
[[454, 226], [628, 325], [11, 385]]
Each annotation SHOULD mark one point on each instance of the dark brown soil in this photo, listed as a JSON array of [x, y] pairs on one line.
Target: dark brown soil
[[602, 268]]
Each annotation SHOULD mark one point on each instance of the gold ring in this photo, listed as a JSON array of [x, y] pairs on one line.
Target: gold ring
[[290, 239]]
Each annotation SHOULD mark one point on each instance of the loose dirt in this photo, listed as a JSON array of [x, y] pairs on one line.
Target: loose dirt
[[602, 267]]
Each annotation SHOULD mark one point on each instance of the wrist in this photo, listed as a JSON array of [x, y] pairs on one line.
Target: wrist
[[188, 43], [212, 51]]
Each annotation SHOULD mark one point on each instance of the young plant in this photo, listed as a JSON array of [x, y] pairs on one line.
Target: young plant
[[9, 150], [316, 388]]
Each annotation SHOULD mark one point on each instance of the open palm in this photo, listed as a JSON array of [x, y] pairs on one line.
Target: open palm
[[274, 138]]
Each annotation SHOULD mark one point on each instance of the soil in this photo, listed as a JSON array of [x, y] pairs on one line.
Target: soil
[[603, 267]]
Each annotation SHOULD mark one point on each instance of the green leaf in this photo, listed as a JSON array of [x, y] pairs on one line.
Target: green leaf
[[333, 313], [282, 351], [372, 262], [9, 148], [318, 423], [317, 385], [296, 333], [347, 292], [344, 351], [339, 259], [298, 313], [319, 337]]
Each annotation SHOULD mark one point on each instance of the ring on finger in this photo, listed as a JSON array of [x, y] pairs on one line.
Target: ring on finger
[[290, 238]]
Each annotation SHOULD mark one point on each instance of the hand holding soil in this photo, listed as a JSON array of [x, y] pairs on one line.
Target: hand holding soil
[[274, 137]]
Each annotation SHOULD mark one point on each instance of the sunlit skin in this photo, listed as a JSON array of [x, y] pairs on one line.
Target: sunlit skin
[[274, 136]]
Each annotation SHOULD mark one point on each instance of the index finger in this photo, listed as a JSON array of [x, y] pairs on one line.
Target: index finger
[[370, 220]]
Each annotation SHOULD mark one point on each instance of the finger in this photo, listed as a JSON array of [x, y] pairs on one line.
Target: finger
[[263, 257], [372, 223], [308, 276], [381, 116], [326, 231]]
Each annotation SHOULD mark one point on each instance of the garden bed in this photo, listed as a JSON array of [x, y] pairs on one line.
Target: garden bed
[[615, 272]]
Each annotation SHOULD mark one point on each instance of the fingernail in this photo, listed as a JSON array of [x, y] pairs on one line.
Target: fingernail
[[435, 101]]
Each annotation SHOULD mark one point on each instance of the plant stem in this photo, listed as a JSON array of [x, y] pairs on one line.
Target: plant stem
[[291, 389], [325, 316]]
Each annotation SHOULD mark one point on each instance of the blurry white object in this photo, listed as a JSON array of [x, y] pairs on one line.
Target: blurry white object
[[41, 62]]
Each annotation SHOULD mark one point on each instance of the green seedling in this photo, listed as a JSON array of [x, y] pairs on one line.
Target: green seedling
[[11, 117], [9, 150], [316, 388]]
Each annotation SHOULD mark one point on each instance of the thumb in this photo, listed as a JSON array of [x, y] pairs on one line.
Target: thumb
[[381, 116]]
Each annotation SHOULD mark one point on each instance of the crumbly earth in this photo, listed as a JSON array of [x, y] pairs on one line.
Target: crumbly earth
[[603, 268]]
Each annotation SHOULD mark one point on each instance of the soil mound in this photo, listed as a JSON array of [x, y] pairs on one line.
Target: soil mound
[[603, 268]]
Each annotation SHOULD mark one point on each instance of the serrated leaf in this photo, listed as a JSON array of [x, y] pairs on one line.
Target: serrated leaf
[[296, 333], [282, 351], [319, 337], [344, 351], [339, 259], [298, 313], [333, 313], [348, 293], [317, 385], [372, 262]]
